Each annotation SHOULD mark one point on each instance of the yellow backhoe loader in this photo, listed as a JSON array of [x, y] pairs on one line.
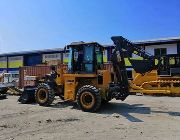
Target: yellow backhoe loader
[[86, 82]]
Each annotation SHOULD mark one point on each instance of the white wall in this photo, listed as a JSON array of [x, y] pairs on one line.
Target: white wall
[[53, 56], [15, 58], [171, 48]]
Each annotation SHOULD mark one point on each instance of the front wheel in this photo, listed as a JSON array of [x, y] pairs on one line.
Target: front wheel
[[44, 95], [88, 98]]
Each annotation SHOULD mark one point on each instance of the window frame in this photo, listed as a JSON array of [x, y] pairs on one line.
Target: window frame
[[160, 51]]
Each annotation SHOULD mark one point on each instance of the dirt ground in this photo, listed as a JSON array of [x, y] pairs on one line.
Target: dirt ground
[[137, 118]]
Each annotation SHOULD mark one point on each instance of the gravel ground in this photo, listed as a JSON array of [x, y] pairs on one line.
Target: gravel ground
[[137, 118]]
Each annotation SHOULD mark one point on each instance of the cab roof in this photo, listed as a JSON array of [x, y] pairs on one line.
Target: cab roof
[[81, 43]]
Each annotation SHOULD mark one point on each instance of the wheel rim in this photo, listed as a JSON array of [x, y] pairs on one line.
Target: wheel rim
[[42, 95], [87, 100]]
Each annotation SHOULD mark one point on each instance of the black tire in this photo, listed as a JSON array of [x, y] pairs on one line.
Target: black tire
[[88, 98], [44, 95], [23, 98], [105, 101], [27, 97], [83, 82]]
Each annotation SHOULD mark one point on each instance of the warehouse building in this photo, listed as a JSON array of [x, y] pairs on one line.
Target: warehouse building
[[12, 61], [162, 46]]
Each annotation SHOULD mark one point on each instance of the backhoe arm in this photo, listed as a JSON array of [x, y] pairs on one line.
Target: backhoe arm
[[120, 88]]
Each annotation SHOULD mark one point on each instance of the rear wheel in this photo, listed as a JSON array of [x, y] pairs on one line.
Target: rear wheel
[[44, 95], [27, 96], [23, 98], [88, 98]]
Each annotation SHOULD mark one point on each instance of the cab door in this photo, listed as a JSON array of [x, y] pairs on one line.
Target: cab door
[[89, 59]]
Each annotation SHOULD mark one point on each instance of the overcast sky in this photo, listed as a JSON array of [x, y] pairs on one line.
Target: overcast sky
[[41, 24]]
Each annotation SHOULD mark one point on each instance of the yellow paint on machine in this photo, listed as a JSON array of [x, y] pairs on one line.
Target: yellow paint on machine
[[15, 64], [172, 61], [152, 83], [127, 63], [105, 59]]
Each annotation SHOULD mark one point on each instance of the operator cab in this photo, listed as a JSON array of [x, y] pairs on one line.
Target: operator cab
[[85, 57]]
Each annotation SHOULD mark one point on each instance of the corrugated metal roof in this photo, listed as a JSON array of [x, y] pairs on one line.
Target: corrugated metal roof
[[33, 52], [158, 41]]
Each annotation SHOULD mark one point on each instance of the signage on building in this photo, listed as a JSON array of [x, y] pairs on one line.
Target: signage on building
[[53, 56]]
